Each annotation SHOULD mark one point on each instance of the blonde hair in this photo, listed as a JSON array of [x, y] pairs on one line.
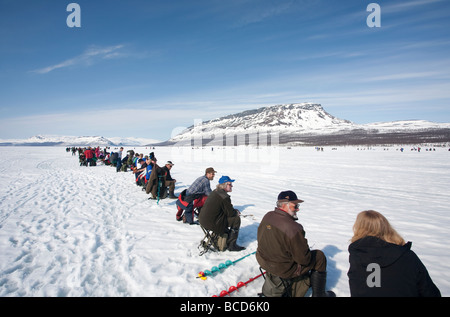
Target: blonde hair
[[372, 223]]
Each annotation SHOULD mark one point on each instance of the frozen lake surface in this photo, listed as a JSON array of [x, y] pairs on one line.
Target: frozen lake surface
[[67, 230]]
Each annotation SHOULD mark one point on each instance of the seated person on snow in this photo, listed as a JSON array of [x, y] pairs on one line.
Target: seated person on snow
[[151, 161], [283, 251], [219, 215], [145, 174], [156, 184], [170, 182], [197, 192], [140, 166]]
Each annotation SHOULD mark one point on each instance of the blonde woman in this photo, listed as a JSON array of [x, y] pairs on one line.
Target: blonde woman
[[382, 264]]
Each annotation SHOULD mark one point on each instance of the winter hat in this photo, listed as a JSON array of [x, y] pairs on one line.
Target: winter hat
[[210, 170], [289, 196], [225, 179]]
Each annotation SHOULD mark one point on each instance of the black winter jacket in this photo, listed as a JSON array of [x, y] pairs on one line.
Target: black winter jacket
[[400, 273]]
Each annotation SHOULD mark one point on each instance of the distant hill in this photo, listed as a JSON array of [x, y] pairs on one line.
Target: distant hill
[[56, 140], [292, 124], [306, 124]]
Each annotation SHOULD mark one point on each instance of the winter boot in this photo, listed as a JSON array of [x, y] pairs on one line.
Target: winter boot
[[318, 281], [188, 216], [231, 242], [172, 195]]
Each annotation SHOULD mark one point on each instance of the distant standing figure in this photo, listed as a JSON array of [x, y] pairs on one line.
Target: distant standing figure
[[89, 154]]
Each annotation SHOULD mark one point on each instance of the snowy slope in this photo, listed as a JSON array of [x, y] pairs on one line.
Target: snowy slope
[[67, 230], [405, 125], [292, 123], [281, 118], [292, 116], [60, 140]]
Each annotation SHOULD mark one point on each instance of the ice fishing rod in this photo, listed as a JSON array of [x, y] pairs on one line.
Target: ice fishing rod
[[232, 289], [218, 269]]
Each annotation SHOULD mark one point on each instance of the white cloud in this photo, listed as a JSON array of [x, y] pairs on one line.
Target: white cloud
[[89, 56], [265, 12], [395, 7]]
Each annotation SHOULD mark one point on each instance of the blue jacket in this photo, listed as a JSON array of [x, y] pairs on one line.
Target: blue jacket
[[148, 171]]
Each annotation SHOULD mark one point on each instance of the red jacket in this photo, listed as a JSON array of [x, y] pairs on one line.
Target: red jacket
[[89, 154]]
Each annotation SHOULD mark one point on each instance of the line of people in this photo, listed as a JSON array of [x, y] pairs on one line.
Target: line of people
[[283, 251], [214, 209], [89, 156], [154, 180], [217, 212], [382, 264]]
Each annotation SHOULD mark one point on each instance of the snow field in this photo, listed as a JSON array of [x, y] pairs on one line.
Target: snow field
[[67, 230]]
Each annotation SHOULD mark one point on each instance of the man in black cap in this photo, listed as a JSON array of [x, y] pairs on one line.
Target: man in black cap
[[284, 253]]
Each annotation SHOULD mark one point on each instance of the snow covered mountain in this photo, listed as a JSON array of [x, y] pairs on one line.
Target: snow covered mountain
[[292, 118], [304, 116], [306, 124], [57, 140], [291, 124]]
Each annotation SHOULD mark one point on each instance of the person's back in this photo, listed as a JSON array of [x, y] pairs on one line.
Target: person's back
[[89, 153], [199, 187], [148, 171], [382, 264], [382, 269]]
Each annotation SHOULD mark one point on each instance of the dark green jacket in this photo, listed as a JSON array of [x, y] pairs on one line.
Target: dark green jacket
[[214, 213]]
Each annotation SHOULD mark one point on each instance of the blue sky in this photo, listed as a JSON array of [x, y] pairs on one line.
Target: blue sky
[[146, 68]]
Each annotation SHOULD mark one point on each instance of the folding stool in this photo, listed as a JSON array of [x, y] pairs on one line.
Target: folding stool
[[212, 241]]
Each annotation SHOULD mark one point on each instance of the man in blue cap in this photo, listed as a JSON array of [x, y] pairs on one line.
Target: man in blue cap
[[219, 215]]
